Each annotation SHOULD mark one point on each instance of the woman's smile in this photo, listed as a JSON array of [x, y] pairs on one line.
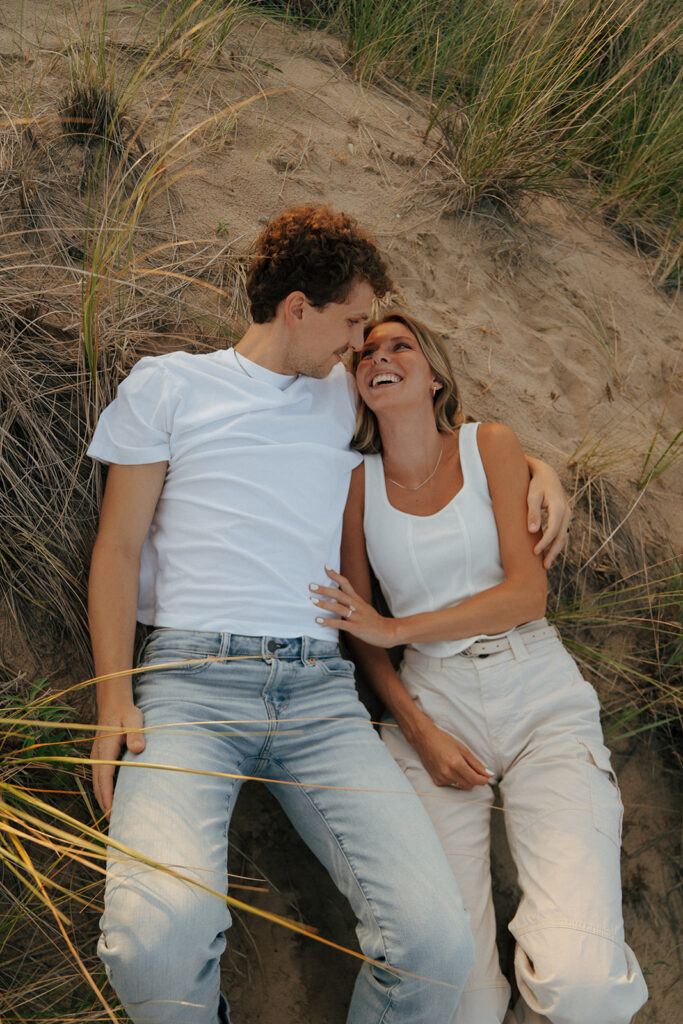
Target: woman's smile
[[384, 378]]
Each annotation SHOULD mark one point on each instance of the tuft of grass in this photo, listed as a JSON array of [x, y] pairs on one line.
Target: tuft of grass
[[620, 612], [654, 465], [90, 116], [627, 637], [527, 98], [601, 332], [89, 282], [634, 157]]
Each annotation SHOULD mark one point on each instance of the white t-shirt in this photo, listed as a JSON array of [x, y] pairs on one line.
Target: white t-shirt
[[251, 509]]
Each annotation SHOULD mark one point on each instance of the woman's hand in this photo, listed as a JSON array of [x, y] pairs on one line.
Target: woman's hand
[[351, 613], [448, 761]]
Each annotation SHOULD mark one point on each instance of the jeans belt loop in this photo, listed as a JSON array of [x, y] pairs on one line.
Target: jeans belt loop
[[226, 641], [305, 647]]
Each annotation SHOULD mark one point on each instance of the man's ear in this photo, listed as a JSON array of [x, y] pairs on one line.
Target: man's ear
[[294, 305]]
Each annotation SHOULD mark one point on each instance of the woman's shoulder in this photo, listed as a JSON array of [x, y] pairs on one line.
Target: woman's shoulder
[[496, 436], [501, 452]]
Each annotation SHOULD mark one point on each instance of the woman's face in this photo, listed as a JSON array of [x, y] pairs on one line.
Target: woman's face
[[392, 369]]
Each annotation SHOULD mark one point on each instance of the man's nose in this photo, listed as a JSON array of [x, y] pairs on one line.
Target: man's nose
[[357, 340]]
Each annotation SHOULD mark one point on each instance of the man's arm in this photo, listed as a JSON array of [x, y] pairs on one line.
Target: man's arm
[[546, 491], [130, 498]]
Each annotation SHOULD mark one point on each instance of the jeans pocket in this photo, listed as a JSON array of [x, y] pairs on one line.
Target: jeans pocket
[[606, 806], [336, 666], [173, 655]]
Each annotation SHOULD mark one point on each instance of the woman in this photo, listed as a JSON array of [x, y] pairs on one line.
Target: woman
[[486, 692]]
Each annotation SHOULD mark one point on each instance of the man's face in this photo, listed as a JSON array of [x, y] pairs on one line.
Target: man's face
[[323, 335]]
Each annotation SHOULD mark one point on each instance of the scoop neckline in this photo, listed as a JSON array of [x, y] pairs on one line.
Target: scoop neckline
[[429, 515]]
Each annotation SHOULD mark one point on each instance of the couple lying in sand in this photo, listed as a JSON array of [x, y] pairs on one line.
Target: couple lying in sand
[[221, 523]]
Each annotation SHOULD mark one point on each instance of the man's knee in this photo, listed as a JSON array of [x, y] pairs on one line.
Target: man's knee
[[439, 943], [158, 937], [568, 975]]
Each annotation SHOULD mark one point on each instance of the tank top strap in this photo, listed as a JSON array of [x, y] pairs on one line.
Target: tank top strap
[[473, 472], [375, 489]]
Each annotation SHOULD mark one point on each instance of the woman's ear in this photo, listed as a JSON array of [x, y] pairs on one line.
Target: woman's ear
[[436, 385]]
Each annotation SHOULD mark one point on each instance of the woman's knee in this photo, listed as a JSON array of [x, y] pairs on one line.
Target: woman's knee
[[568, 975]]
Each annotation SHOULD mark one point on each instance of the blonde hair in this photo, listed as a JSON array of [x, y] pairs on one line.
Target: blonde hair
[[447, 405]]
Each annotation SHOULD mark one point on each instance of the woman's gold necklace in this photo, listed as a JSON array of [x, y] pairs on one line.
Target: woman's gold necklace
[[433, 472]]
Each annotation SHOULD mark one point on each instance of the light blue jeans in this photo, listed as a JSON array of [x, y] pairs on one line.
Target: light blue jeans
[[287, 713]]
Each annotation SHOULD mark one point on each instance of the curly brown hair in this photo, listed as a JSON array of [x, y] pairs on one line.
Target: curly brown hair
[[316, 251]]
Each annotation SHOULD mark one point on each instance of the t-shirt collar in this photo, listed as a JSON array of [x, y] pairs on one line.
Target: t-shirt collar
[[257, 372]]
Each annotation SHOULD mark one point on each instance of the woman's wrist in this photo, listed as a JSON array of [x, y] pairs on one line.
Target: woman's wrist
[[414, 723]]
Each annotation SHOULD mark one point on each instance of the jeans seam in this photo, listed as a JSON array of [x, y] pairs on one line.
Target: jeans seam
[[354, 875], [568, 925], [264, 753], [389, 1002]]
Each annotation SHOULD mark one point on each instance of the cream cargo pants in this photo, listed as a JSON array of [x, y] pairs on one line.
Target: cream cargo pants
[[533, 720]]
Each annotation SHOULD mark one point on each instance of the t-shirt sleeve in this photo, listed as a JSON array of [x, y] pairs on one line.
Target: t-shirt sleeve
[[136, 427]]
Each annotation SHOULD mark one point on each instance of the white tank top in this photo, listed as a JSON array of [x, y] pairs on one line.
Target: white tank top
[[424, 563]]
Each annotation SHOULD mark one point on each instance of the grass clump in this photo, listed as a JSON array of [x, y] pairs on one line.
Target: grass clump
[[619, 608], [92, 277], [91, 115], [531, 98]]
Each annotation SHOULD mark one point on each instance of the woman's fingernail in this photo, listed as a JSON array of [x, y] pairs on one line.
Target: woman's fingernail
[[533, 527], [320, 620], [314, 600], [313, 586], [488, 771]]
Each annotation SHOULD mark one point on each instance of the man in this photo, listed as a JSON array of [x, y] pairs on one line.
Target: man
[[227, 482]]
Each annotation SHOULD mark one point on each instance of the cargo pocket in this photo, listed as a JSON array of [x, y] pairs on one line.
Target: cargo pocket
[[606, 806]]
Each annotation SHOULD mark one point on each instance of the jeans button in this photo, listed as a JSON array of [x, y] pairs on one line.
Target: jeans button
[[272, 646]]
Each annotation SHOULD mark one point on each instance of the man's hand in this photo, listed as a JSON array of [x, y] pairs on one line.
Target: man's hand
[[546, 492], [116, 730], [448, 761]]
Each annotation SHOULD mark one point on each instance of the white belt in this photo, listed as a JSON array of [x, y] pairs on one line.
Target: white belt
[[531, 633]]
